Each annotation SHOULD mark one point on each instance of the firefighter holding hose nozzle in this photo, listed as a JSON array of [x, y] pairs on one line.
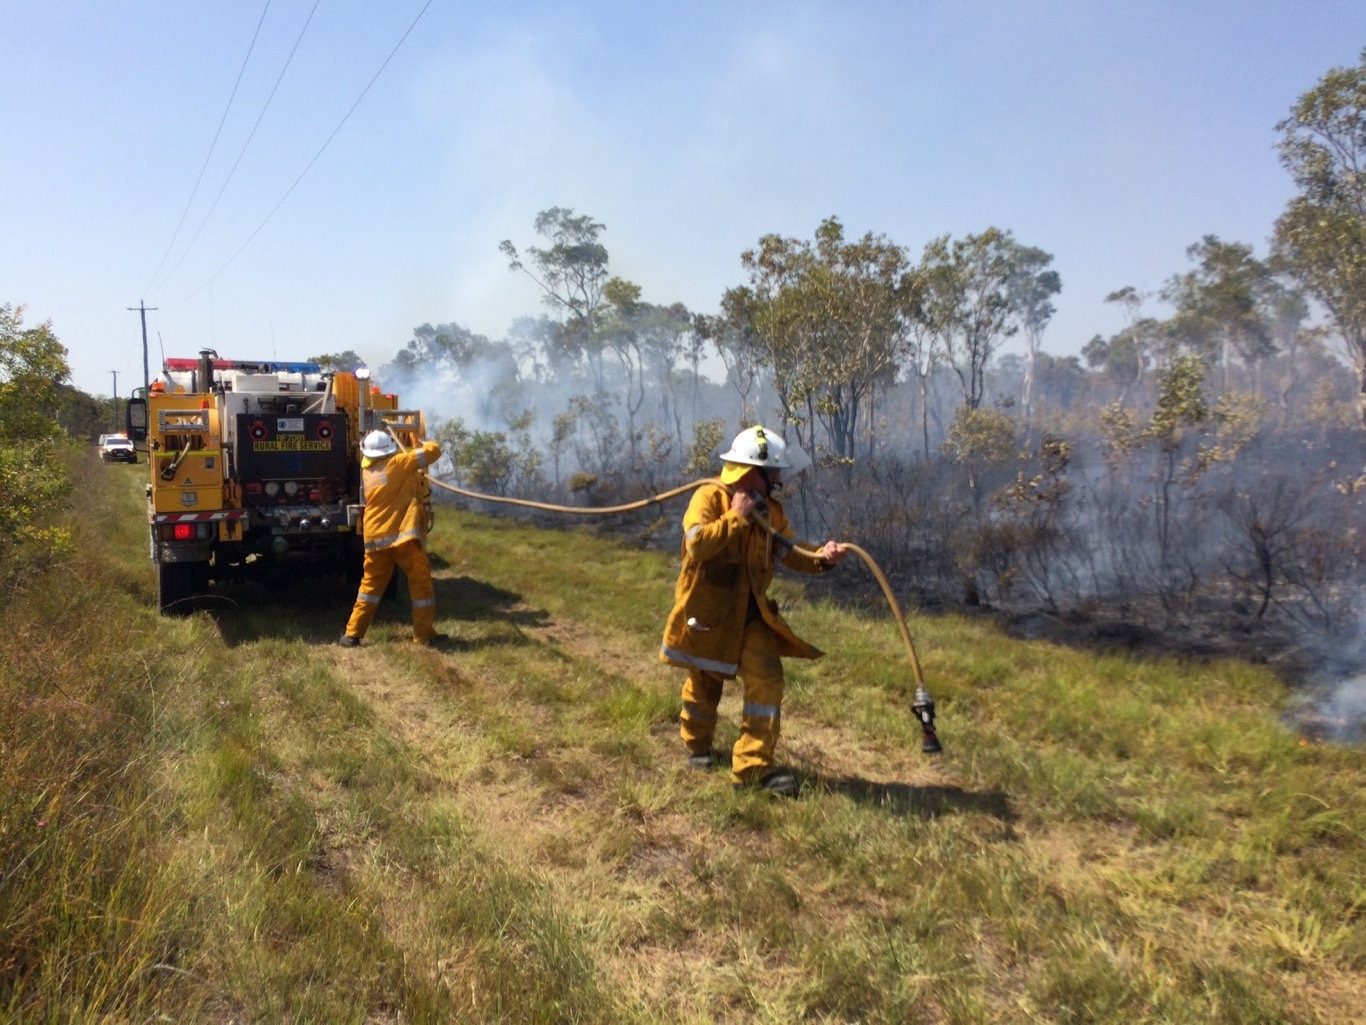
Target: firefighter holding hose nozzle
[[395, 530], [723, 624]]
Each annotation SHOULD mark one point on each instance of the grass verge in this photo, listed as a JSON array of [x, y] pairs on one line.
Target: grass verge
[[227, 818]]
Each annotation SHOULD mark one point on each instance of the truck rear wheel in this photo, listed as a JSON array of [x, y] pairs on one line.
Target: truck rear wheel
[[178, 584]]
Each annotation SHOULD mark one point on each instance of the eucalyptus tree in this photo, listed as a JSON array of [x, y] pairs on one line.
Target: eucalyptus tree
[[732, 333], [1179, 413], [692, 351], [1218, 313], [787, 323], [453, 346], [339, 361], [1186, 436], [1287, 313], [868, 304], [572, 272], [1181, 405], [929, 296], [1059, 382], [1121, 359], [648, 342], [668, 345], [618, 327], [1031, 293], [975, 302], [538, 359], [1321, 237], [1136, 351], [1130, 300], [830, 318]]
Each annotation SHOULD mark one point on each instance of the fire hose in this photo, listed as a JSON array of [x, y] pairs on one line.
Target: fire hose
[[922, 704]]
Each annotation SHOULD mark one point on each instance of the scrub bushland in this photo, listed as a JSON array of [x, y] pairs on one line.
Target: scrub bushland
[[228, 818]]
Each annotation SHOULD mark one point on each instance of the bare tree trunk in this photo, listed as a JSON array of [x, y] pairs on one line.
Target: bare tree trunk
[[872, 422], [1359, 350], [925, 416]]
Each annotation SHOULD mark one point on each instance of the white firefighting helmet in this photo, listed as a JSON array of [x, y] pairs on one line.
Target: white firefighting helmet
[[755, 446], [378, 444]]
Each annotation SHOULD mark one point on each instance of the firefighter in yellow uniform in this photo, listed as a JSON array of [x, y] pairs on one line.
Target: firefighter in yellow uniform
[[723, 624], [395, 530]]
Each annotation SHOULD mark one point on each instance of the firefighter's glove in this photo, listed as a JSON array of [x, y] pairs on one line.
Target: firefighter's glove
[[833, 553]]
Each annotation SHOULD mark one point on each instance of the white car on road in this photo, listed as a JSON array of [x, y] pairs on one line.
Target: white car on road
[[115, 448]]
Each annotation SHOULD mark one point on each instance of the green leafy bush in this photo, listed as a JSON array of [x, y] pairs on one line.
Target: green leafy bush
[[33, 480]]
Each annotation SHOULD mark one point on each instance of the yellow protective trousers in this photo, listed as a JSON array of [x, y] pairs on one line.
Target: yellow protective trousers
[[410, 557], [762, 684]]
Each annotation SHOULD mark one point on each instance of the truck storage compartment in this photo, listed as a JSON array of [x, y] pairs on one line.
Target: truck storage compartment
[[283, 460]]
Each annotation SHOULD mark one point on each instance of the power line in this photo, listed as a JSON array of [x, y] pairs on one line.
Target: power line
[[195, 191], [250, 135], [319, 153]]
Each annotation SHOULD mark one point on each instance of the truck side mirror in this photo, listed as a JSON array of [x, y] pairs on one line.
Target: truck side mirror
[[135, 418]]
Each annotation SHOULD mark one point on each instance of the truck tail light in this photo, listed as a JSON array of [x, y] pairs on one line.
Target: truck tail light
[[185, 531]]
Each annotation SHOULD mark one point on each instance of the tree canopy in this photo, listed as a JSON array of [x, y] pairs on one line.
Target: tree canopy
[[1322, 235], [33, 370]]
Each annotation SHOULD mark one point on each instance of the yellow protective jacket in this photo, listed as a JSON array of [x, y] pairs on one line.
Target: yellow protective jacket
[[394, 507], [725, 561]]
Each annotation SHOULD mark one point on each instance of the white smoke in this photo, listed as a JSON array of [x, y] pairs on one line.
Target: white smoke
[[1338, 712]]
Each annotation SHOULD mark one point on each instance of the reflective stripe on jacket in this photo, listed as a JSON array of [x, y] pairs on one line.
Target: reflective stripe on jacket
[[394, 511], [726, 561]]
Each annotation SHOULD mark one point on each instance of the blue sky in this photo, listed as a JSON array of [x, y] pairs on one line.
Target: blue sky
[[1112, 135]]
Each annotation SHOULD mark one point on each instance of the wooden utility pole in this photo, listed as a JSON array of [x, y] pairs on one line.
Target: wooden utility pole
[[116, 398], [146, 377]]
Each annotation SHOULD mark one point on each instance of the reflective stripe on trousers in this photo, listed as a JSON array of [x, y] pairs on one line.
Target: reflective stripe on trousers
[[379, 567], [762, 685]]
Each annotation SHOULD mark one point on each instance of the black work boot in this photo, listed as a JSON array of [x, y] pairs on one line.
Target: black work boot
[[704, 762], [778, 782], [347, 641]]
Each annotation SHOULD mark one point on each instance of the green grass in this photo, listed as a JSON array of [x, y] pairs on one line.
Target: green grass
[[226, 817]]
